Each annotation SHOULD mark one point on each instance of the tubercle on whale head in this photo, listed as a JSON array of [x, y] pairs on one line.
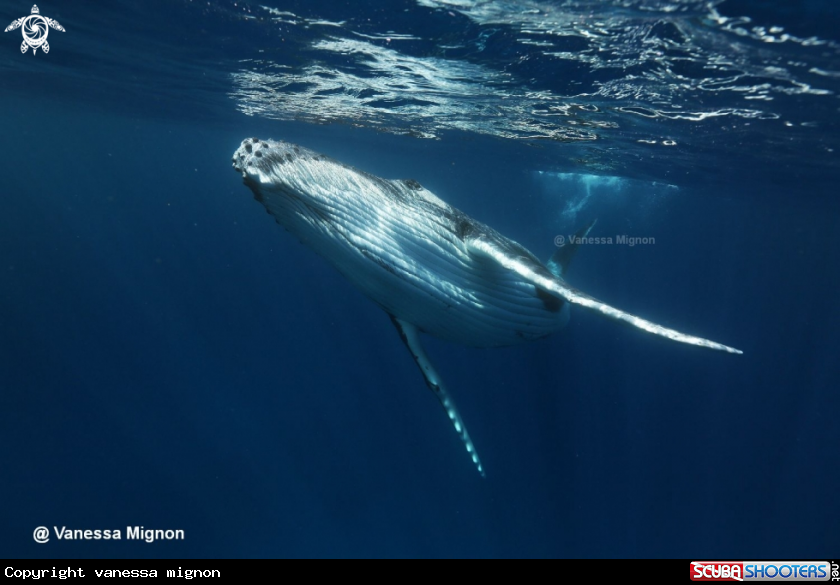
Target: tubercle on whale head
[[248, 158], [255, 156]]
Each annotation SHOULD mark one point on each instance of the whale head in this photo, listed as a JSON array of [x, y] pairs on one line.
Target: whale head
[[309, 192], [275, 165], [285, 176]]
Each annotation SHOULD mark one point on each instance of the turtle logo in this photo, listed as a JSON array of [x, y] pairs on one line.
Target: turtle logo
[[35, 28]]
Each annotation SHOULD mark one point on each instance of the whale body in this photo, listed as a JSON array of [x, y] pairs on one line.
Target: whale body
[[431, 267]]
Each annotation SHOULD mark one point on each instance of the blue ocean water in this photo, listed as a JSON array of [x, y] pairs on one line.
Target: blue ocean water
[[170, 358]]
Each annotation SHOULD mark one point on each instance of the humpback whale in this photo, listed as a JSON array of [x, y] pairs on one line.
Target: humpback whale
[[431, 267]]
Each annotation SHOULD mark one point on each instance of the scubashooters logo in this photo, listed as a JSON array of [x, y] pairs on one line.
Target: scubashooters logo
[[35, 29], [761, 571]]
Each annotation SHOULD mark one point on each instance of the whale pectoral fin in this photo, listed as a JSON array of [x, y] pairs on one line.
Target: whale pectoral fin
[[559, 262], [541, 277], [45, 47], [411, 338], [24, 46]]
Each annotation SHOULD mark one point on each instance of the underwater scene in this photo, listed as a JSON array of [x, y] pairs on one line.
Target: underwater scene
[[420, 278]]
